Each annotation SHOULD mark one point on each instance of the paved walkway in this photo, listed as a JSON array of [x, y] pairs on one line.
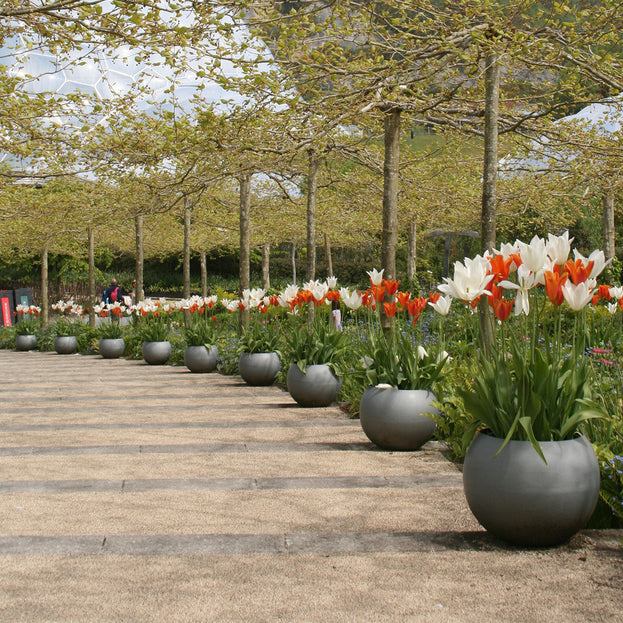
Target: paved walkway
[[138, 493]]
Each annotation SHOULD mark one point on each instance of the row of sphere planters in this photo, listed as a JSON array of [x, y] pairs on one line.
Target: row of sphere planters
[[514, 495]]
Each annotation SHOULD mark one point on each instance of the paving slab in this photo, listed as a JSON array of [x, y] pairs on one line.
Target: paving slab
[[204, 499]]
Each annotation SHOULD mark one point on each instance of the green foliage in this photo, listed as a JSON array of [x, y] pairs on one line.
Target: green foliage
[[398, 361], [28, 325], [227, 344], [110, 330], [540, 398], [200, 332], [7, 338], [606, 433], [63, 326], [261, 336], [154, 328], [314, 344]]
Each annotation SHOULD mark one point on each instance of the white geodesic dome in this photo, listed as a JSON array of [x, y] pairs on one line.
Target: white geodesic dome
[[605, 119], [99, 74]]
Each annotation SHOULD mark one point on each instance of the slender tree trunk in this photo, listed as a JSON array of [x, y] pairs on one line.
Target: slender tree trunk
[[608, 221], [245, 243], [293, 260], [188, 210], [92, 294], [140, 257], [490, 166], [204, 273], [327, 254], [266, 266], [489, 182], [390, 202], [45, 303], [411, 250], [446, 254], [312, 188]]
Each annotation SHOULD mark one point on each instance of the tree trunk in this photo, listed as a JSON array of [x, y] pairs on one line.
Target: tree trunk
[[245, 243], [140, 257], [312, 187], [266, 266], [204, 273], [92, 294], [608, 221], [390, 202], [188, 210], [446, 254], [489, 183], [293, 260], [327, 254], [490, 166], [45, 304], [411, 250]]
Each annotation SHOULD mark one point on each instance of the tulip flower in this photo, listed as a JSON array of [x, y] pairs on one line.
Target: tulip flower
[[376, 276], [470, 279], [578, 296], [533, 255], [526, 280], [442, 305], [553, 286], [390, 309], [597, 261], [352, 301], [558, 248]]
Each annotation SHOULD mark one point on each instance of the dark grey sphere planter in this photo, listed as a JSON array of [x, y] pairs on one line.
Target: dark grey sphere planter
[[156, 353], [65, 344], [25, 342], [200, 358], [394, 419], [520, 499], [111, 348], [259, 368], [318, 387]]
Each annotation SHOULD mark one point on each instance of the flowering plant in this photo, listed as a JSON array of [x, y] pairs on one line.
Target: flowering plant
[[154, 323], [531, 384], [28, 319], [316, 343], [200, 331], [394, 357], [69, 322], [397, 361]]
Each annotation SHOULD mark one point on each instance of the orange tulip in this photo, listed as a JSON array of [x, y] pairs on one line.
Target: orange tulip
[[390, 309], [500, 267], [577, 271], [502, 308], [403, 299], [553, 286], [391, 286]]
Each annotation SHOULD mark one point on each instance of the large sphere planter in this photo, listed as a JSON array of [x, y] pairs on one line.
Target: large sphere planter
[[200, 358], [25, 342], [111, 348], [520, 499], [259, 368], [394, 419], [65, 344], [318, 387], [156, 353]]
